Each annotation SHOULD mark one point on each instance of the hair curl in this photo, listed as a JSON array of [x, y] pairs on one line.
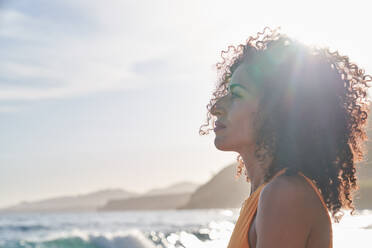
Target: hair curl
[[312, 113]]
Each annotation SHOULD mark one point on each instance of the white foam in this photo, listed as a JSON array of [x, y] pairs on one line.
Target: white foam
[[132, 239], [121, 239]]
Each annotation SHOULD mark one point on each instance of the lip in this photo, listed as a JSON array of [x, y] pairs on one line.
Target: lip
[[216, 129], [219, 124]]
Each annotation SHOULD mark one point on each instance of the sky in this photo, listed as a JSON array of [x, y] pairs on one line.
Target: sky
[[111, 94]]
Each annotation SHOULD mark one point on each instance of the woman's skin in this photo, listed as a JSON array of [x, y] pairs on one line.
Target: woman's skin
[[289, 213], [236, 111]]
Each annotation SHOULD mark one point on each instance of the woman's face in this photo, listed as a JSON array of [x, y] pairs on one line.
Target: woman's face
[[235, 111]]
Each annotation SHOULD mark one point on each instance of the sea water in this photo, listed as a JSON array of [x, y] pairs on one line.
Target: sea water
[[149, 229]]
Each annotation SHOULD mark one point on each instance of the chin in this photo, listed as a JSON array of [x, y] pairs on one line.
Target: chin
[[221, 145]]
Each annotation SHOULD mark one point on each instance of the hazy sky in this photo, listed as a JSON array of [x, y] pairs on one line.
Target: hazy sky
[[108, 94]]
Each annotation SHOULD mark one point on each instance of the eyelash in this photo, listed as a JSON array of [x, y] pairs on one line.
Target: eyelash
[[234, 95]]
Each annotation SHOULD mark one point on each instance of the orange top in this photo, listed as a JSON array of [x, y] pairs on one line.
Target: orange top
[[239, 237]]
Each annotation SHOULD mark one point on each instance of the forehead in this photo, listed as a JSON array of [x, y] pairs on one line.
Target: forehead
[[241, 76]]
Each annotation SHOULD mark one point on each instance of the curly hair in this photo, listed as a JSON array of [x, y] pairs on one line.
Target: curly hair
[[313, 110]]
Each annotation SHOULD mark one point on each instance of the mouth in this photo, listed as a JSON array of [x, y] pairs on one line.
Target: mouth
[[218, 126], [216, 129]]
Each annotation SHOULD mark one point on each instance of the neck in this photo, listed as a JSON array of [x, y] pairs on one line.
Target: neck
[[255, 169]]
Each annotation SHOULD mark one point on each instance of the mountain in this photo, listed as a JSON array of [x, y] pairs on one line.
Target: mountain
[[364, 171], [222, 191], [170, 197], [363, 198], [148, 202], [184, 187], [83, 202]]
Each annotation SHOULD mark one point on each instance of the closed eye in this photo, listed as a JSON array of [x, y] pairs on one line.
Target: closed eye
[[235, 94], [234, 90]]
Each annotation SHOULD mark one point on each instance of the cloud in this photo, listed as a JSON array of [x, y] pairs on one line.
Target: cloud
[[43, 58], [61, 49], [92, 47]]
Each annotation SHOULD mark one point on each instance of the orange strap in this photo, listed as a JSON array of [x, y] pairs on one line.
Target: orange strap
[[322, 201], [239, 237]]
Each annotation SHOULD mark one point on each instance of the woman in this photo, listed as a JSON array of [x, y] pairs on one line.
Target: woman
[[296, 115]]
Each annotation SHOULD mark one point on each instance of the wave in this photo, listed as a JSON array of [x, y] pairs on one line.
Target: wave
[[124, 239], [132, 239]]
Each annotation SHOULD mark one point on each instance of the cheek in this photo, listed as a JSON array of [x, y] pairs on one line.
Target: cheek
[[241, 121]]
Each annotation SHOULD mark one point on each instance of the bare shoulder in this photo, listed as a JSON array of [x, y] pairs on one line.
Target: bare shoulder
[[291, 188], [290, 193], [285, 213]]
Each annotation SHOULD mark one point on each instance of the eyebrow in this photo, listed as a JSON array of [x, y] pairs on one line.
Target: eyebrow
[[231, 86]]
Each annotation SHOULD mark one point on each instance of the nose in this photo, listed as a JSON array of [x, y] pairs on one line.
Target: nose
[[216, 109]]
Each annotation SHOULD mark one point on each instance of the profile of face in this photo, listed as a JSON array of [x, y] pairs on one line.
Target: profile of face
[[235, 113]]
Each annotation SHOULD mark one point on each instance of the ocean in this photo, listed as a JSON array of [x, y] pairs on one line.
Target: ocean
[[149, 229]]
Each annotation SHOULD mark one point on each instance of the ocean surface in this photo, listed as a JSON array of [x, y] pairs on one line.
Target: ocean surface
[[149, 229]]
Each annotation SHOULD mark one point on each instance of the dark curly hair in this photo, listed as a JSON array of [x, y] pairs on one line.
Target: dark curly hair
[[313, 110]]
